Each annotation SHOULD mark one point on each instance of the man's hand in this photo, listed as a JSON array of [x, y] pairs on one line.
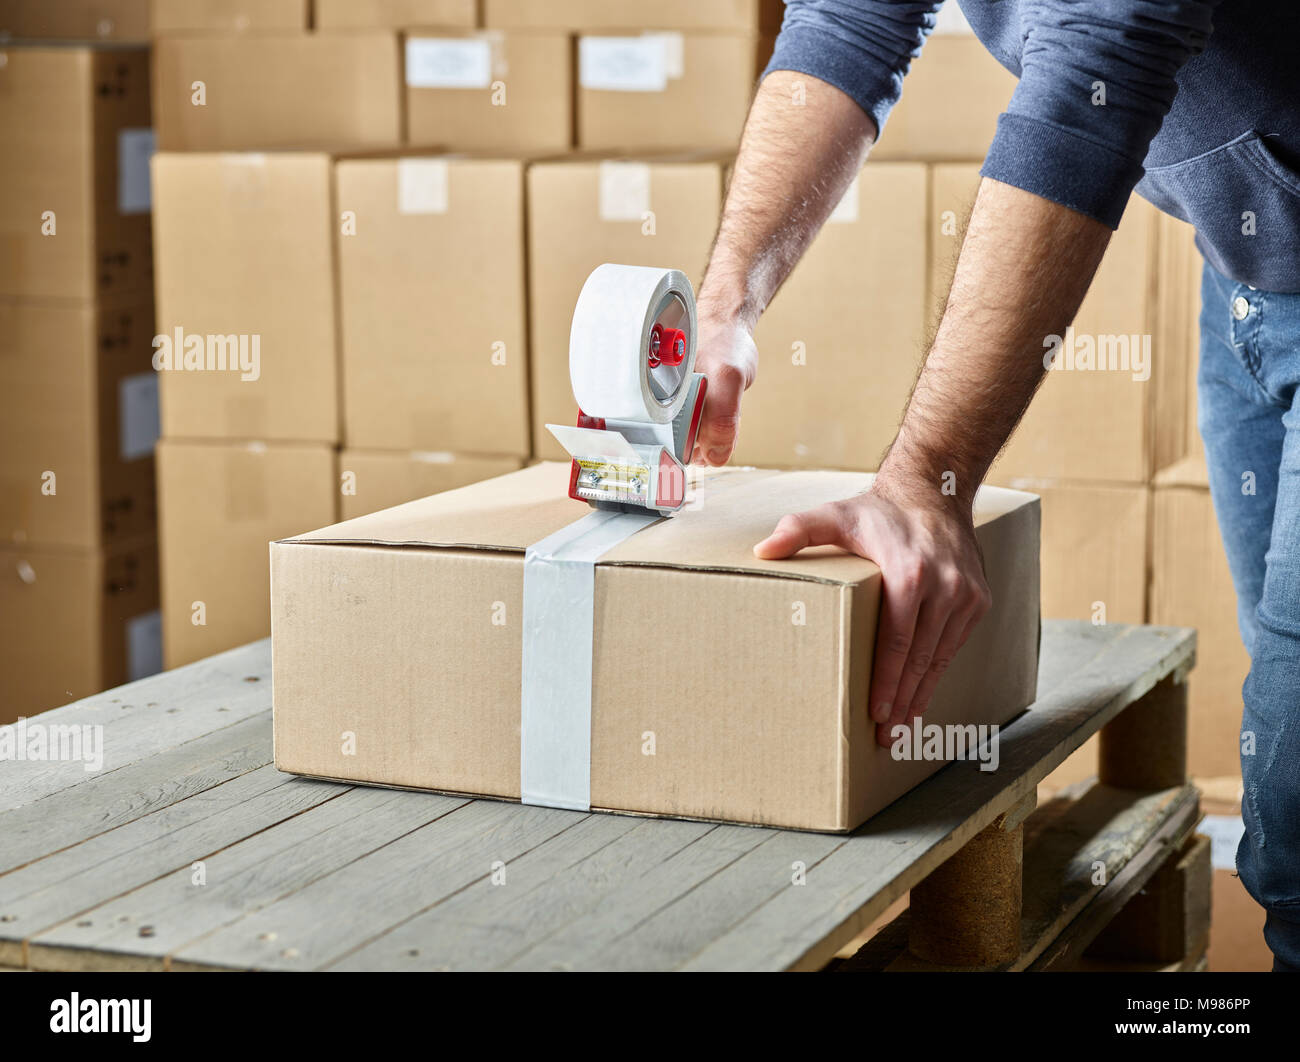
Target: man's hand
[[728, 357], [934, 589]]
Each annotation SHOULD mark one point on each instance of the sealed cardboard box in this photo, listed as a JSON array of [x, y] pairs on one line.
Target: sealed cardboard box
[[433, 305], [490, 91], [80, 20], [395, 14], [584, 212], [405, 630], [74, 198], [75, 622], [230, 16], [248, 343], [371, 480], [220, 504], [952, 97], [1192, 587], [666, 91], [741, 16], [1113, 405], [80, 423], [277, 90], [840, 345]]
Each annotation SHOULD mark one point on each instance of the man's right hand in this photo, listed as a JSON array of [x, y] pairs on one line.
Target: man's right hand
[[728, 357]]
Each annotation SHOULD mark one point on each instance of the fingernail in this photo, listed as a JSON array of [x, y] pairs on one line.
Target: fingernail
[[881, 714], [717, 457]]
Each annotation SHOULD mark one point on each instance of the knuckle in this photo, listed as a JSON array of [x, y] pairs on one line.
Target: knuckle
[[898, 643], [940, 664], [919, 663]]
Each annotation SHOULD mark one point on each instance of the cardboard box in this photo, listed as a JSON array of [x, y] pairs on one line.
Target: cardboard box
[[73, 623], [74, 198], [667, 91], [952, 97], [1192, 587], [840, 344], [434, 305], [490, 91], [220, 504], [740, 16], [1114, 408], [270, 91], [81, 20], [246, 270], [395, 14], [371, 480], [583, 212], [774, 730], [230, 16], [80, 423]]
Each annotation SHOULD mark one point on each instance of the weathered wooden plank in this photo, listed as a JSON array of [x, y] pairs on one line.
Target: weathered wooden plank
[[333, 915], [673, 934], [635, 899], [899, 847], [147, 717], [489, 924], [118, 797], [67, 883], [139, 929]]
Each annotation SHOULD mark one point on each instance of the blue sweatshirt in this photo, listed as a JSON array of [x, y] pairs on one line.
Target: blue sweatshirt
[[1201, 110]]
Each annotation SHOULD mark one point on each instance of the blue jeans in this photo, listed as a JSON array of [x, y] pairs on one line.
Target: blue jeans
[[1249, 388]]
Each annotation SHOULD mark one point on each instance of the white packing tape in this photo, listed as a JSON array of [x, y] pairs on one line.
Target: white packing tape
[[555, 694]]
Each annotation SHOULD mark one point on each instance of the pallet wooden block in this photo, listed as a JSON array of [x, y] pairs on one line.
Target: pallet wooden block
[[190, 851]]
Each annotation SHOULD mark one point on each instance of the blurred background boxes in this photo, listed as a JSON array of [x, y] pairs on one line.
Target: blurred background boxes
[[433, 305], [395, 14], [245, 251], [650, 211], [740, 16], [74, 186], [73, 623], [222, 504], [231, 16], [371, 480], [840, 344], [666, 90], [79, 424], [81, 20], [277, 91], [486, 91]]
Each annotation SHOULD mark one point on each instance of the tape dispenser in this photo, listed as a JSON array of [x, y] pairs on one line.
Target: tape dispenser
[[632, 367]]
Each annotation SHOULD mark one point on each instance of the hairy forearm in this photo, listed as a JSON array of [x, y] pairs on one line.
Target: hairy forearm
[[803, 144], [1024, 268]]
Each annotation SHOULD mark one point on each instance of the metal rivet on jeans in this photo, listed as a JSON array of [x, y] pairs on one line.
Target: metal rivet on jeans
[[1240, 308]]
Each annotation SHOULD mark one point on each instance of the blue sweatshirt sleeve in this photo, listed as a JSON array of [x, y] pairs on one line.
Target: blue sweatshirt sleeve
[[862, 47], [1097, 79]]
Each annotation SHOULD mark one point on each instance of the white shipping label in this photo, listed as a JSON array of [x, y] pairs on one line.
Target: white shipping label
[[144, 646], [139, 423], [623, 64], [846, 213], [135, 147], [674, 46], [422, 186], [624, 191], [449, 62]]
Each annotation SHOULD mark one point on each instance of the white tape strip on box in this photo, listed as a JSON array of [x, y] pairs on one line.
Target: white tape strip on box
[[555, 699]]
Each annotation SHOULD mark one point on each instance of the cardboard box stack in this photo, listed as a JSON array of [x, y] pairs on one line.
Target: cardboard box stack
[[78, 558]]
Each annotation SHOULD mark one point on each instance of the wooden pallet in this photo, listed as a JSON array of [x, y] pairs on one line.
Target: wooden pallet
[[190, 851]]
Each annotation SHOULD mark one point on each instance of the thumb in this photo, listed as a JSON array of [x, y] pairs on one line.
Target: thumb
[[720, 422], [817, 527]]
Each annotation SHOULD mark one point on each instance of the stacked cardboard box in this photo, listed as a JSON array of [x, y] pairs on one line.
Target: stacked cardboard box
[[78, 561]]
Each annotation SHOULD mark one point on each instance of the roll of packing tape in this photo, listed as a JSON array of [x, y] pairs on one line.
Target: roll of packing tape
[[609, 345]]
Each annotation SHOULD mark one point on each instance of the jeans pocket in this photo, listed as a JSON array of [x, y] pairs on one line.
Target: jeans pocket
[[1244, 202]]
